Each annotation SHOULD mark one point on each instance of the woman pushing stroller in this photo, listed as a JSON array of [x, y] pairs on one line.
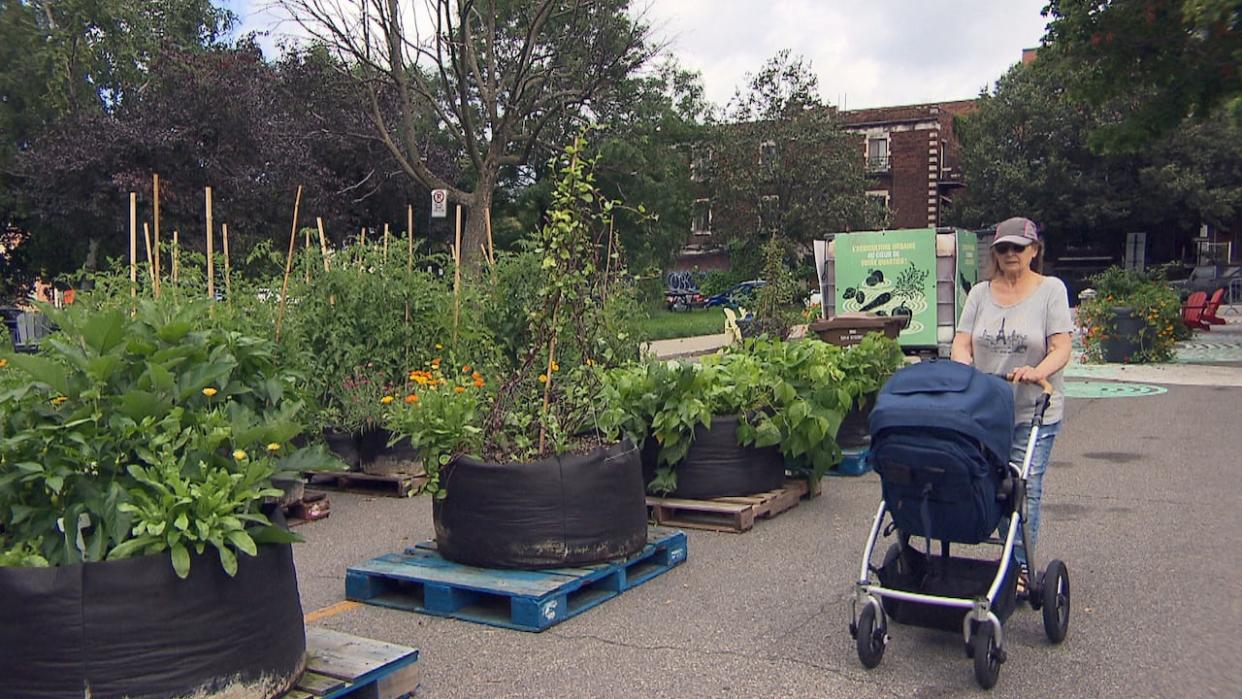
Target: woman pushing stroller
[[960, 451], [1018, 325]]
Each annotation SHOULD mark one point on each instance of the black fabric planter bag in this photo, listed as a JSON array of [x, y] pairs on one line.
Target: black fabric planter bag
[[854, 431], [344, 444], [132, 628], [567, 510], [717, 466]]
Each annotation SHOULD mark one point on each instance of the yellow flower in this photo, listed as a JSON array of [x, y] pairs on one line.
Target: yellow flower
[[543, 378], [239, 455], [209, 391], [590, 362], [58, 400], [3, 363], [458, 389], [273, 447], [387, 399], [439, 346], [556, 367]]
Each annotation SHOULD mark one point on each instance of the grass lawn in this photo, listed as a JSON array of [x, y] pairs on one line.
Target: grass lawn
[[663, 324]]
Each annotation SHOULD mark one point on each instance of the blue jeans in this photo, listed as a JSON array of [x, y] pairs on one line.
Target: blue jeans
[[1034, 477]]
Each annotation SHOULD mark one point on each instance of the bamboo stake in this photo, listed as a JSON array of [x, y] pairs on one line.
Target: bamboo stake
[[323, 244], [385, 244], [457, 277], [133, 249], [362, 248], [603, 296], [409, 263], [490, 253], [293, 237], [547, 385], [306, 252], [146, 237], [155, 189], [211, 264], [176, 256], [228, 273]]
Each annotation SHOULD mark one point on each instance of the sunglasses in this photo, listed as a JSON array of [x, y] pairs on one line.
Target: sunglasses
[[1006, 248]]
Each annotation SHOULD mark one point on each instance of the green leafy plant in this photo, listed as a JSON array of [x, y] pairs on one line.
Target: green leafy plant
[[567, 302], [793, 395], [138, 435], [1150, 299]]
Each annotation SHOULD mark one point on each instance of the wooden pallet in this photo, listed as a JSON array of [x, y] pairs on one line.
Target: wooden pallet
[[395, 484], [341, 666], [313, 506], [420, 580], [733, 514]]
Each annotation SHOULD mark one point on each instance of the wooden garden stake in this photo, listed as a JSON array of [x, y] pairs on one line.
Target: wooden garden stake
[[323, 243], [176, 256], [490, 253], [211, 265], [409, 263], [146, 237], [385, 244], [155, 189], [457, 276], [306, 252], [293, 238], [547, 385], [133, 248], [228, 276]]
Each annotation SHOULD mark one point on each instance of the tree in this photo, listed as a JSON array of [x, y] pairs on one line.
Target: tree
[[493, 74], [1025, 152], [781, 163], [1151, 62]]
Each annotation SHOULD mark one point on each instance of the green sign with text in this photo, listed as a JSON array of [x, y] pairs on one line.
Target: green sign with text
[[890, 273]]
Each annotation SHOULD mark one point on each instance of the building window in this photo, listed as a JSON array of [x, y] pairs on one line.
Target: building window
[[700, 161], [701, 217], [767, 155], [877, 154], [879, 198]]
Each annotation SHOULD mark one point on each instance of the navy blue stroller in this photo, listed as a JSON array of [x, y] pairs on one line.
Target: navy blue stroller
[[940, 442]]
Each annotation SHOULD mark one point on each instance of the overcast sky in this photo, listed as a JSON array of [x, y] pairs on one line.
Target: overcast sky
[[867, 53]]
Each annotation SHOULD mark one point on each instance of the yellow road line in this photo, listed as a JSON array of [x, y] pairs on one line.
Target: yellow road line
[[331, 610]]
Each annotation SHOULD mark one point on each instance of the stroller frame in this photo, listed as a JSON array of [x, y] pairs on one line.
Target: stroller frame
[[980, 608]]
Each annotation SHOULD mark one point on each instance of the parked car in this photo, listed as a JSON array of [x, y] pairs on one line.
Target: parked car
[[683, 299], [741, 295], [1208, 278]]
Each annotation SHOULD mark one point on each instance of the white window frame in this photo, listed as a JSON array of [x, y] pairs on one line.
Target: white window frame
[[695, 214]]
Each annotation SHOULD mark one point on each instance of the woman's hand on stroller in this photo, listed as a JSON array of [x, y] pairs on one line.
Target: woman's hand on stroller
[[1030, 374]]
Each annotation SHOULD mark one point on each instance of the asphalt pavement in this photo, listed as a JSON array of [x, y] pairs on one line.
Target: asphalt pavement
[[1142, 501]]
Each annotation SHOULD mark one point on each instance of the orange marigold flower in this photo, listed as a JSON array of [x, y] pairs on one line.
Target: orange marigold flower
[[476, 376], [466, 369], [458, 389], [412, 398], [479, 383]]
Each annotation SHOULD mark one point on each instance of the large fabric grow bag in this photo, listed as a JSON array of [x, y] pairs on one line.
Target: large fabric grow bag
[[717, 466], [132, 628], [575, 509]]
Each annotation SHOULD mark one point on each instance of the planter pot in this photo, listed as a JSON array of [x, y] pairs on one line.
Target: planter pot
[[716, 466], [132, 628], [854, 432], [344, 445], [378, 458], [1124, 344], [575, 509], [294, 490]]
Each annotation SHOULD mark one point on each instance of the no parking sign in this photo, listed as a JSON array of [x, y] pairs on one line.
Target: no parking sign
[[439, 203]]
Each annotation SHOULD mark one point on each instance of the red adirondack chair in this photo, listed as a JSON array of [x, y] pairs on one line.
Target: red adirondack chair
[[1213, 305], [1192, 311]]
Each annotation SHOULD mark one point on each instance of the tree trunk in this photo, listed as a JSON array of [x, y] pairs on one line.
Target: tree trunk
[[474, 230]]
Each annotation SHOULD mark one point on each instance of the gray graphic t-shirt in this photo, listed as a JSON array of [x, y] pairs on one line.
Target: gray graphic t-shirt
[[1007, 337]]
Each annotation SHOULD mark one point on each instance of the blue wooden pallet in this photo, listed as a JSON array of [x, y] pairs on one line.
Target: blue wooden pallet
[[853, 463], [420, 580], [341, 666]]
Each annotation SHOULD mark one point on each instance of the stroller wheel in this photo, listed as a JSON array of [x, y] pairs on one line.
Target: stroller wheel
[[1055, 594], [870, 639], [987, 655]]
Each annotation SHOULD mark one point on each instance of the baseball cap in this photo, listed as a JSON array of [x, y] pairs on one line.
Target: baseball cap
[[1017, 230]]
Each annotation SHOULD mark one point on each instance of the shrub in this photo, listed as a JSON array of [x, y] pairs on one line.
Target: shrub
[[1151, 300]]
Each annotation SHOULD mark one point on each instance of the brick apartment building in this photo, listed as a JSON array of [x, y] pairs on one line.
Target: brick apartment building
[[912, 168], [911, 158]]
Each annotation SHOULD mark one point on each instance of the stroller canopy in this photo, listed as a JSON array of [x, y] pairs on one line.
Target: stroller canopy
[[948, 395]]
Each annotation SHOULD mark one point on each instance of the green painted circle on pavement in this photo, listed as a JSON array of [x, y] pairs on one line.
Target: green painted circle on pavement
[[1110, 389]]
